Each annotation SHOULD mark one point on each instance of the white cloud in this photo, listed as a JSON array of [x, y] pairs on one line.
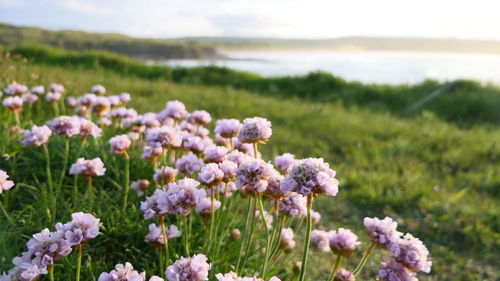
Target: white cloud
[[86, 7]]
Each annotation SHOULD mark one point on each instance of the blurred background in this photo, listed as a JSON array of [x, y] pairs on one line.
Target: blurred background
[[402, 98]]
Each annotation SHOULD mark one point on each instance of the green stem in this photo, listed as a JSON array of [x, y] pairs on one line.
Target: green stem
[[212, 217], [307, 240], [335, 267], [165, 242], [79, 262], [245, 226], [160, 257], [4, 211], [75, 190], [51, 272], [127, 181], [186, 234], [250, 233], [49, 178], [364, 259], [255, 151], [16, 116], [65, 160], [267, 252]]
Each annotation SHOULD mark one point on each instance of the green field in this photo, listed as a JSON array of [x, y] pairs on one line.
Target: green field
[[434, 168]]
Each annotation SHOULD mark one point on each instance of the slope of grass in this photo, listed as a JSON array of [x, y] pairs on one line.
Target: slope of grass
[[463, 102], [438, 180], [79, 40]]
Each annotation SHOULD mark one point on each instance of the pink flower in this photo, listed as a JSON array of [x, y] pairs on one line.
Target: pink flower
[[155, 235], [382, 232], [151, 152], [38, 90], [87, 100], [216, 154], [15, 89], [411, 252], [98, 90], [344, 275], [255, 129], [253, 176], [287, 241], [176, 110], [53, 97], [194, 268], [65, 125], [284, 161], [343, 242], [166, 137], [37, 136], [204, 206], [189, 164], [124, 98], [119, 144], [54, 87], [199, 117], [13, 103], [140, 186], [319, 240], [211, 175], [123, 273], [101, 106], [88, 168], [311, 175], [391, 270], [89, 129], [293, 205], [29, 98], [82, 228], [165, 175], [227, 128], [4, 183]]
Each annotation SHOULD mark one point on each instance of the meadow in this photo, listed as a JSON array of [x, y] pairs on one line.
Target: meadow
[[432, 169]]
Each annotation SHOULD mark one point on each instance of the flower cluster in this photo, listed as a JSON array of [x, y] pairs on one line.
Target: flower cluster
[[311, 176], [194, 268], [88, 168]]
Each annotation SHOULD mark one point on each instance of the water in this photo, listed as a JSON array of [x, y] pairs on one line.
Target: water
[[369, 67]]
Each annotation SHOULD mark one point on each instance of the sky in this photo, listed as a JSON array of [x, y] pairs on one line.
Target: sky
[[312, 19]]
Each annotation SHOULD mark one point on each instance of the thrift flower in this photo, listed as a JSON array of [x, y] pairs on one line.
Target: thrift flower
[[15, 89], [4, 183], [124, 98], [53, 97], [382, 232], [88, 168], [319, 240], [293, 205], [176, 110], [29, 98], [211, 175], [254, 130], [199, 117], [216, 154], [253, 176], [155, 235], [13, 103], [343, 242], [89, 129], [284, 161], [194, 268], [47, 247], [119, 144], [82, 228], [189, 164], [204, 206], [165, 175], [123, 273], [37, 136], [164, 136], [227, 128], [38, 90], [412, 253], [65, 125], [54, 87], [391, 270], [140, 186], [311, 175], [344, 275], [98, 90], [287, 242]]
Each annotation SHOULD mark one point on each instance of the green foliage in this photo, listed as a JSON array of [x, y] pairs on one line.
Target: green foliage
[[463, 102], [78, 40], [413, 169]]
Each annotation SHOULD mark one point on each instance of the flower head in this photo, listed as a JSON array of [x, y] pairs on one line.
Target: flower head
[[140, 186], [101, 106], [124, 98], [344, 275], [46, 247], [13, 103], [176, 110], [123, 273], [227, 128], [199, 117], [37, 136], [391, 270], [216, 154], [55, 87], [194, 268], [165, 175], [255, 129], [411, 252], [343, 242], [287, 241], [382, 232], [119, 144], [204, 206], [4, 183], [89, 129], [293, 205], [38, 90], [284, 161], [53, 97], [65, 125], [82, 228], [98, 90], [87, 100], [15, 89], [311, 175], [151, 152], [164, 136], [189, 164], [229, 169], [211, 175], [253, 175], [155, 235], [88, 168], [319, 240], [29, 98]]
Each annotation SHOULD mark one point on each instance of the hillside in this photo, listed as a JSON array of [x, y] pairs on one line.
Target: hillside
[[133, 47], [437, 179]]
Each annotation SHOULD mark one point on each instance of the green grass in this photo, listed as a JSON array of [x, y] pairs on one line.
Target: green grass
[[438, 179], [462, 102]]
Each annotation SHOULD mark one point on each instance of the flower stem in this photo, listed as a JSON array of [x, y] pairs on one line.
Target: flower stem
[[266, 255], [79, 262], [364, 259], [16, 116], [4, 211], [165, 241], [186, 234], [335, 267], [65, 160], [255, 151], [212, 217], [307, 239], [51, 272], [49, 177], [127, 181], [75, 190], [250, 233]]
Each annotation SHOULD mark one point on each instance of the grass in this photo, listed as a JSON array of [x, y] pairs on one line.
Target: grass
[[438, 179]]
